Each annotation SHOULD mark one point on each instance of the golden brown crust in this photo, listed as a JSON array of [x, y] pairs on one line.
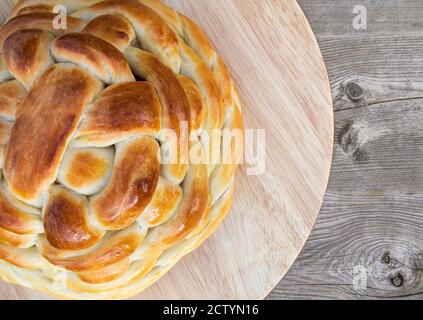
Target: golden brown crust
[[12, 93], [198, 41], [153, 33], [167, 13], [190, 213], [98, 56], [35, 9], [38, 20], [44, 127], [232, 152], [196, 69], [16, 219], [91, 204], [106, 274], [133, 183], [163, 205], [66, 222], [114, 29], [17, 240], [70, 5], [22, 258], [117, 248], [136, 271], [85, 169], [27, 55], [121, 111], [198, 108], [175, 104]]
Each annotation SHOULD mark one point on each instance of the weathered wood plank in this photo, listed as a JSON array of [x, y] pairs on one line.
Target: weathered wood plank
[[367, 71], [385, 17], [380, 150], [374, 205], [373, 211]]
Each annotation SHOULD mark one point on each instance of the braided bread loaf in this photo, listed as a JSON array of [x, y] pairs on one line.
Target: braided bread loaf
[[88, 207]]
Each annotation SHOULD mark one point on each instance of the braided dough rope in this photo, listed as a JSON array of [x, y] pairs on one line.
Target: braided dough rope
[[87, 208]]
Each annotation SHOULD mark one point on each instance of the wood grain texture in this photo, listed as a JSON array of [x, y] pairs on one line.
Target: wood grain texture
[[278, 68], [373, 210]]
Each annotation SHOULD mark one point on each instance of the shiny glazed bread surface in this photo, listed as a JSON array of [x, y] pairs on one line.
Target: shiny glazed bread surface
[[88, 207]]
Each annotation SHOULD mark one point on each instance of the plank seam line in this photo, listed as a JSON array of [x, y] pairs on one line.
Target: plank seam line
[[378, 102]]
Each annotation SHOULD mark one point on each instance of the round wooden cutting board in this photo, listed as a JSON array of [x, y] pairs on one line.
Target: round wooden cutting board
[[279, 71]]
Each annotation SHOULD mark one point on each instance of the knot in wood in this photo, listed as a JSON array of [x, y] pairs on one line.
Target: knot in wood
[[386, 258], [348, 139], [398, 280], [353, 91]]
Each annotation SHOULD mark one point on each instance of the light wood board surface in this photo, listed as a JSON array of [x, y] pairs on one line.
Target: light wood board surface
[[278, 68]]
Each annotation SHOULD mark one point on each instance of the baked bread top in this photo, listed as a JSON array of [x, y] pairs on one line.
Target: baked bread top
[[111, 149]]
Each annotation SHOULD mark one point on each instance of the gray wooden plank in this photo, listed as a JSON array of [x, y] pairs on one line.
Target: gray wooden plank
[[385, 17], [372, 216], [366, 71], [379, 149], [367, 213]]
